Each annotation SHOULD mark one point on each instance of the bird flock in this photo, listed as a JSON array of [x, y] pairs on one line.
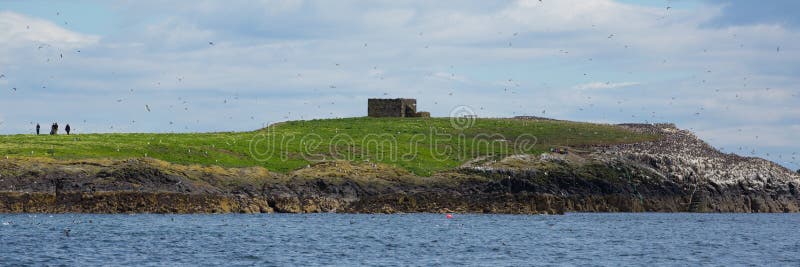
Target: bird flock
[[584, 102]]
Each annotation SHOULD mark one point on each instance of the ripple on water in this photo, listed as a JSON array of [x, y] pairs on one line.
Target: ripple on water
[[415, 239]]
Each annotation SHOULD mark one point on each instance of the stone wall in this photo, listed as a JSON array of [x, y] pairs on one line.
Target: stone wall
[[398, 107]]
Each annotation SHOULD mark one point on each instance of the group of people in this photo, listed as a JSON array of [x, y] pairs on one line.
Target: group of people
[[53, 129]]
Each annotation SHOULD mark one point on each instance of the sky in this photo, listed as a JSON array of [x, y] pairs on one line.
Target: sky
[[726, 70]]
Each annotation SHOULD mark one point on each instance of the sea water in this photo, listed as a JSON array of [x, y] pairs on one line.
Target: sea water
[[404, 239]]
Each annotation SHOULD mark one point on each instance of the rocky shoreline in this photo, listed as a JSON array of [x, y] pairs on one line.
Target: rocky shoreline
[[678, 173]]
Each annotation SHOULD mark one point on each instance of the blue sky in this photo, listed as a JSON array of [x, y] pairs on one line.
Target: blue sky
[[727, 70]]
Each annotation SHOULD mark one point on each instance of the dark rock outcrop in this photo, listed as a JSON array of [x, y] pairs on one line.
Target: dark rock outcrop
[[678, 173]]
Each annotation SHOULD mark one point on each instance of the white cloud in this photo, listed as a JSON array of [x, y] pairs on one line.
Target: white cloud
[[605, 85], [392, 18], [17, 29], [174, 33]]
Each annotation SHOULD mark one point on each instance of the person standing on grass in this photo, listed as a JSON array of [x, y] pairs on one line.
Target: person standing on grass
[[67, 128], [38, 128]]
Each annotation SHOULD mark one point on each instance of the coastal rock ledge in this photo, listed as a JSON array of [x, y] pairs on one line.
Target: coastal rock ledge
[[677, 173]]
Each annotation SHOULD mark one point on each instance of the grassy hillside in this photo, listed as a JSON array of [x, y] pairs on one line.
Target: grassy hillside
[[421, 145]]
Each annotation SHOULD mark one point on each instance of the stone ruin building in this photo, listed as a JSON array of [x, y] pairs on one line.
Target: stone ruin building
[[398, 107]]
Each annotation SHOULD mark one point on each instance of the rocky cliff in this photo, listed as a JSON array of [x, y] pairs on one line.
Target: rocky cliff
[[678, 173], [719, 181]]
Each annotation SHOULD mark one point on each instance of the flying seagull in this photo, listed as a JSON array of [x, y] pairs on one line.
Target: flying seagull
[[147, 107]]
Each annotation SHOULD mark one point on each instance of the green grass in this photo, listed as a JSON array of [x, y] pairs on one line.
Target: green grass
[[420, 145]]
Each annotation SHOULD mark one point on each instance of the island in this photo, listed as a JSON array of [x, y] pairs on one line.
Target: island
[[521, 165]]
